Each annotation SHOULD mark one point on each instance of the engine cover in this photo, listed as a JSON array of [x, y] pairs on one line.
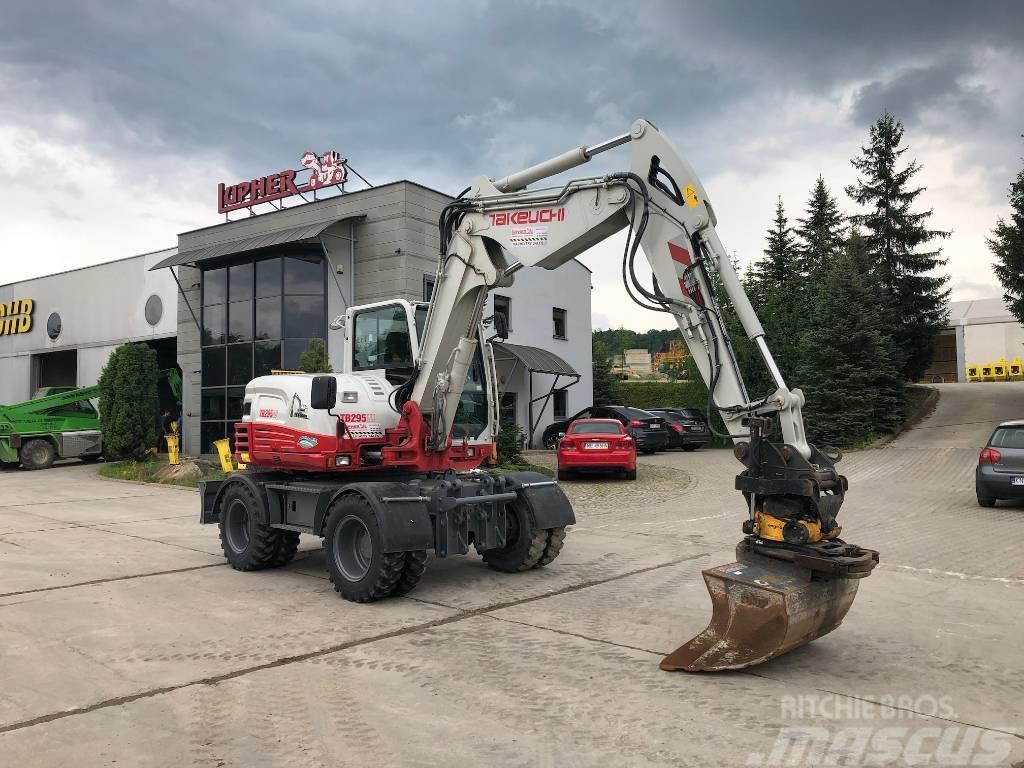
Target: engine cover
[[281, 429]]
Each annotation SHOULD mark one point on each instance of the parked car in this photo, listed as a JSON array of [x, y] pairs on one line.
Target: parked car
[[687, 427], [596, 444], [1000, 472], [644, 427]]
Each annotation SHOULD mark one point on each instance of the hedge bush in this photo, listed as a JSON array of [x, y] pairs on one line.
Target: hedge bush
[[129, 403], [650, 394]]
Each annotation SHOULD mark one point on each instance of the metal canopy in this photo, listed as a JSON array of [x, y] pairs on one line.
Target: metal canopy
[[533, 359], [280, 237]]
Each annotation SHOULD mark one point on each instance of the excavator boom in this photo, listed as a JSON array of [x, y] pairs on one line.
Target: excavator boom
[[794, 578]]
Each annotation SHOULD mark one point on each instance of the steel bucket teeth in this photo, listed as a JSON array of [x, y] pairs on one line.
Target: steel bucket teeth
[[762, 608]]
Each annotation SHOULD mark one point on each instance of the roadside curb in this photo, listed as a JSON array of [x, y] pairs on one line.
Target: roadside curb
[[923, 412], [143, 482]]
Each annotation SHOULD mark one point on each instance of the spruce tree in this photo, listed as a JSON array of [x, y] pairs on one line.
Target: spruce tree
[[775, 286], [601, 362], [777, 270], [892, 234], [1007, 245], [129, 403], [822, 231], [849, 367]]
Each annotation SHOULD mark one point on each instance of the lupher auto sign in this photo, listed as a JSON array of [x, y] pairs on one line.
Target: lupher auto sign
[[325, 171], [16, 316]]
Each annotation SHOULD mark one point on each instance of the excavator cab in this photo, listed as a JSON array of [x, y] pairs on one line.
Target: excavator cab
[[386, 336]]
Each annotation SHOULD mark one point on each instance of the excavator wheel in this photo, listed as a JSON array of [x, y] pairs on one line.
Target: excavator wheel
[[764, 606], [528, 546]]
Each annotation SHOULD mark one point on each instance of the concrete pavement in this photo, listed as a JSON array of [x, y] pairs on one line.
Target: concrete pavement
[[126, 640]]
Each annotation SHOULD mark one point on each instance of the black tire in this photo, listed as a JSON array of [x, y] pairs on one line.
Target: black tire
[[412, 571], [92, 457], [565, 474], [358, 568], [649, 451], [248, 544], [287, 546], [986, 501], [550, 441], [690, 448], [556, 540], [629, 474], [37, 454], [526, 543]]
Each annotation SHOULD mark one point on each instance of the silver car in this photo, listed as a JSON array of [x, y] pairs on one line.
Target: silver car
[[1000, 473]]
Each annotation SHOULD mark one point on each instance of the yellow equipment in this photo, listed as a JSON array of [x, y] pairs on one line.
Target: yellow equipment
[[999, 370], [1016, 369], [974, 373]]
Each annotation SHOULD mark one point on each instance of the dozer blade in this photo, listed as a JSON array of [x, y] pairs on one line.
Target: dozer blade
[[762, 607]]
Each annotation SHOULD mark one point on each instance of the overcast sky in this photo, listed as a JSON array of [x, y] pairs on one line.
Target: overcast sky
[[117, 121]]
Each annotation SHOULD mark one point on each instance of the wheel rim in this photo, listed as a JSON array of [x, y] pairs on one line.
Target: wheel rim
[[353, 548], [237, 528]]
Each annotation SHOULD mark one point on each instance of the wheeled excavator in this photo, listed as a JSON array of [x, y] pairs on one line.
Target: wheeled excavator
[[376, 461]]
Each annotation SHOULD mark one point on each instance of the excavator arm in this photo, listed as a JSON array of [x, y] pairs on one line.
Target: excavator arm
[[792, 566]]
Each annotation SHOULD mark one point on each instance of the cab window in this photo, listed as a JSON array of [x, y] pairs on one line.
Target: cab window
[[381, 339]]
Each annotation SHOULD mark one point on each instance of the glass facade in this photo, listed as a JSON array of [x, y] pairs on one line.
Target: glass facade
[[258, 315]]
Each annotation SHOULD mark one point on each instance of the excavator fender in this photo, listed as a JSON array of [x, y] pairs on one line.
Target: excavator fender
[[544, 498]]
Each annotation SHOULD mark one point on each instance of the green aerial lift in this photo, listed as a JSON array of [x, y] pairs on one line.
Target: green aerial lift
[[64, 425]]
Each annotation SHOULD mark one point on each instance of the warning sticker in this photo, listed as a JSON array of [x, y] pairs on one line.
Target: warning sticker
[[528, 237], [362, 431]]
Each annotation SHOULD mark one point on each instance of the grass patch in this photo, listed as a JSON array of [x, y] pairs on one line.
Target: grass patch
[[155, 471]]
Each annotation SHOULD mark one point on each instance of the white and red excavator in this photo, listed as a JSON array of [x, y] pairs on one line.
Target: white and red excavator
[[382, 460]]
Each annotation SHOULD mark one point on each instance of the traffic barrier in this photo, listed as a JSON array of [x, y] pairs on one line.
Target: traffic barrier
[[223, 447], [974, 373], [999, 370], [986, 373], [1016, 369]]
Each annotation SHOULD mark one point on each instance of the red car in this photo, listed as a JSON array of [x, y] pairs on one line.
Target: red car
[[596, 444]]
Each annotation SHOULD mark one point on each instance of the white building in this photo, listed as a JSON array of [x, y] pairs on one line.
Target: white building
[[980, 332]]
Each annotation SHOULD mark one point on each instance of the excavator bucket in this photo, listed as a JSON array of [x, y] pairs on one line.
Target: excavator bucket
[[762, 608]]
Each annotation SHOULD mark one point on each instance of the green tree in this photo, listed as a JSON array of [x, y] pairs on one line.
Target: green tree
[[822, 230], [849, 367], [1007, 245], [775, 287], [892, 234], [314, 358], [129, 404], [778, 269], [602, 371]]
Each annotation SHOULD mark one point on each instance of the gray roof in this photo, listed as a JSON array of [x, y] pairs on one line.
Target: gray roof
[[978, 312], [534, 358], [281, 236]]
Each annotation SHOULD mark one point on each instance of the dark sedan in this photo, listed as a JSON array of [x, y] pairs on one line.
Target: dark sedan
[[645, 428], [1000, 472], [687, 427]]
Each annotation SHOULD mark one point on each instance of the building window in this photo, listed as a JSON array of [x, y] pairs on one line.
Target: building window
[[428, 287], [258, 315], [560, 402], [558, 319], [503, 306]]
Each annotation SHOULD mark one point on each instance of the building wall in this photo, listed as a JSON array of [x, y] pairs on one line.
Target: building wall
[[100, 307], [987, 342], [533, 295]]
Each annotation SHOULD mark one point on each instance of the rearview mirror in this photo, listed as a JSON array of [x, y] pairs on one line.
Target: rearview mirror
[[324, 394], [561, 435]]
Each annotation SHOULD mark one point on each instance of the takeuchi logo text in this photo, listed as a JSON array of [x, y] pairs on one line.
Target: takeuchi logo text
[[326, 170], [540, 216]]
